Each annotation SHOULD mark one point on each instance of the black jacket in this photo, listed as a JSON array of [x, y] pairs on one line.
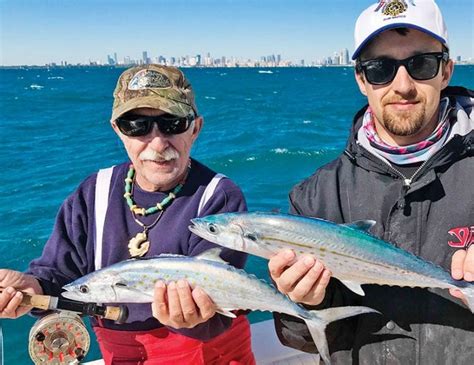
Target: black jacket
[[418, 326]]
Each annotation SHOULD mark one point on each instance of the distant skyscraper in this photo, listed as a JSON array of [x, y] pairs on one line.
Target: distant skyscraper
[[278, 59], [115, 58], [345, 56], [110, 60], [198, 60], [145, 57]]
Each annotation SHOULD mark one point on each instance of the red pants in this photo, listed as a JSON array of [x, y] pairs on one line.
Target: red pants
[[161, 346]]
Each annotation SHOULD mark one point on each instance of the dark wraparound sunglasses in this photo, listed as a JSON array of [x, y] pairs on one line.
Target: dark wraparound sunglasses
[[381, 71], [140, 125]]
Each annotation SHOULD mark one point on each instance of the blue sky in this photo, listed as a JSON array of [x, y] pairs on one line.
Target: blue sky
[[44, 31]]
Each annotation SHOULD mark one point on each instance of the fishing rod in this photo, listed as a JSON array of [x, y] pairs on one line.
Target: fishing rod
[[61, 337]]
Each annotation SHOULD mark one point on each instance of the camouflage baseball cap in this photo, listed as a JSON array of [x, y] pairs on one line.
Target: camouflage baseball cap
[[154, 86]]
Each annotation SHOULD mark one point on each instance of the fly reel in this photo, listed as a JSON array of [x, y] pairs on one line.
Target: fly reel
[[59, 338]]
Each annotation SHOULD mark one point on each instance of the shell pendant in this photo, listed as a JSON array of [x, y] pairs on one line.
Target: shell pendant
[[138, 245]]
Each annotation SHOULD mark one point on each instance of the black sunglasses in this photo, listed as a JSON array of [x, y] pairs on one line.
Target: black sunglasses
[[140, 125], [381, 71]]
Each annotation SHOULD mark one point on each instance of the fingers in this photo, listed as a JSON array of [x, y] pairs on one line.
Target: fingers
[[457, 264], [458, 294], [309, 282], [304, 280], [206, 306], [177, 306], [174, 306], [469, 264], [280, 262], [10, 301], [462, 264], [293, 274], [189, 310], [159, 305], [462, 268]]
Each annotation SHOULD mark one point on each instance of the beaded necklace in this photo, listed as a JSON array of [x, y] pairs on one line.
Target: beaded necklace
[[139, 245]]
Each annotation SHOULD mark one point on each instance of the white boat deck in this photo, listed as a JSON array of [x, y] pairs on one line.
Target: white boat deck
[[268, 350]]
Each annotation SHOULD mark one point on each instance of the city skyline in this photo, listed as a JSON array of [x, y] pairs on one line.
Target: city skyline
[[34, 32], [273, 60]]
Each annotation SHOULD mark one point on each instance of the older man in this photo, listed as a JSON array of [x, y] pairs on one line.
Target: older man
[[409, 166], [139, 209]]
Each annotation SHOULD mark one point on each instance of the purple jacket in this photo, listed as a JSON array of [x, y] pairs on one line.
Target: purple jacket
[[69, 252]]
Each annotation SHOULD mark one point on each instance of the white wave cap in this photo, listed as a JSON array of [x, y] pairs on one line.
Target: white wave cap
[[423, 15]]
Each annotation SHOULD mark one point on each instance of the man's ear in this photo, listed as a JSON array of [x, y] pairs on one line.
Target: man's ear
[[198, 123], [114, 127], [447, 70], [116, 130], [359, 76]]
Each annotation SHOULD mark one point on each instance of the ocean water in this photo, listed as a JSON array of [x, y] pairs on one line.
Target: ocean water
[[266, 131]]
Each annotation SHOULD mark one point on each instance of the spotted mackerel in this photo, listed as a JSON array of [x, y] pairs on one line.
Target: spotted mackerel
[[132, 281], [353, 255]]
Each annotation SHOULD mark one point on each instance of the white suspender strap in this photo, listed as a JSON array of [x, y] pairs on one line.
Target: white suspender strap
[[102, 187], [208, 192]]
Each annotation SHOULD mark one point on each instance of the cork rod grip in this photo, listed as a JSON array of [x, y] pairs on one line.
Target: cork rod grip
[[37, 301]]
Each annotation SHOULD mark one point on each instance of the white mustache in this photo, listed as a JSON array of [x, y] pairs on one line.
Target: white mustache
[[167, 155]]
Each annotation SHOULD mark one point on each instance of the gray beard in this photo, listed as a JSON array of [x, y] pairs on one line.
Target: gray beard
[[404, 124]]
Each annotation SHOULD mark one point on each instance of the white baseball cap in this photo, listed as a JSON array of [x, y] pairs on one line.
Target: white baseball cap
[[422, 15]]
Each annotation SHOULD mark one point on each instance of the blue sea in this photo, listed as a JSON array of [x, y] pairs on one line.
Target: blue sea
[[265, 130]]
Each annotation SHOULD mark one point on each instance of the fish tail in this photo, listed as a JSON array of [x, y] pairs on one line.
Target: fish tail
[[319, 319], [469, 294]]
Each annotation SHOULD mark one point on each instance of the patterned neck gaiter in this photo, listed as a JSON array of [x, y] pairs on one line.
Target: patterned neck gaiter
[[418, 152]]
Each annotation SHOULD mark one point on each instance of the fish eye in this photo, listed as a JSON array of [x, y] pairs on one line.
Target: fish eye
[[84, 289], [251, 236], [212, 228]]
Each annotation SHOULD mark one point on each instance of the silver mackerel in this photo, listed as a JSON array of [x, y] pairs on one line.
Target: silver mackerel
[[132, 281], [353, 255]]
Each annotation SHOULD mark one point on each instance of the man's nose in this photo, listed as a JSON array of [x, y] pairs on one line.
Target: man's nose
[[157, 140], [403, 83]]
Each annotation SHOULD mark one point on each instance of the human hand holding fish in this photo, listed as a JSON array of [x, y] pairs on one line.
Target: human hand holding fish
[[177, 305], [304, 279], [462, 267], [14, 283]]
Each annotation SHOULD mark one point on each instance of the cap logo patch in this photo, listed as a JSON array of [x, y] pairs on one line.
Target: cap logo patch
[[149, 79], [393, 7]]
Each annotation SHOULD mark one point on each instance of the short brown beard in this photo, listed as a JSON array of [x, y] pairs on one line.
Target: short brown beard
[[404, 124]]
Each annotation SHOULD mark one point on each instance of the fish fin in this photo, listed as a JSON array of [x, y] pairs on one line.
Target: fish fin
[[469, 294], [317, 330], [363, 225], [212, 255], [226, 312], [355, 287], [319, 319]]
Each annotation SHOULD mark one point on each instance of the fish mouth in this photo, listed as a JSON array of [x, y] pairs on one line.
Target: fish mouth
[[194, 227], [69, 294], [199, 229]]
